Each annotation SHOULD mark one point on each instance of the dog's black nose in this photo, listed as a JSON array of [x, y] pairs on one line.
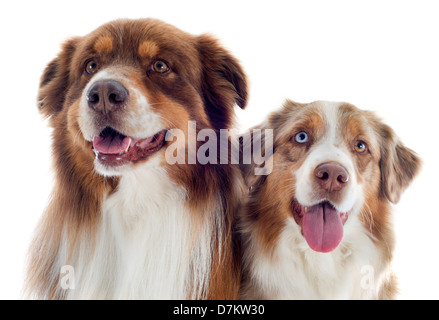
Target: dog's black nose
[[106, 96], [331, 176]]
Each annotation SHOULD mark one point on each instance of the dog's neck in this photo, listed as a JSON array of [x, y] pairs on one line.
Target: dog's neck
[[355, 270], [149, 244]]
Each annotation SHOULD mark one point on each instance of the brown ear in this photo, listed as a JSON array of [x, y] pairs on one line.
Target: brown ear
[[224, 82], [256, 154], [399, 165], [55, 81]]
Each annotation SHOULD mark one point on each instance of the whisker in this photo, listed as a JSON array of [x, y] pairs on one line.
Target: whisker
[[167, 122], [288, 188], [76, 136], [158, 103], [367, 214]]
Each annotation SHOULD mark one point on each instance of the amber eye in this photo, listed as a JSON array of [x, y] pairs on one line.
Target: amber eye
[[160, 66], [360, 146], [91, 66]]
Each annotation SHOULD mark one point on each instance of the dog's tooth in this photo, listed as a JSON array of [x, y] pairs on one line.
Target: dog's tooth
[[128, 146], [305, 209]]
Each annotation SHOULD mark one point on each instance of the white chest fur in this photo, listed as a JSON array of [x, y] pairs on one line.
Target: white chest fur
[[355, 270], [148, 245]]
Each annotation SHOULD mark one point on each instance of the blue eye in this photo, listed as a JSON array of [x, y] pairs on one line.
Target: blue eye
[[301, 137]]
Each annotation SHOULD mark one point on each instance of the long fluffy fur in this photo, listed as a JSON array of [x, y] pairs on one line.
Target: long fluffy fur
[[277, 261], [157, 231]]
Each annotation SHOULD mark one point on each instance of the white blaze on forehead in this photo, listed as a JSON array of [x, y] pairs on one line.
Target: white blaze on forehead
[[329, 148], [138, 120]]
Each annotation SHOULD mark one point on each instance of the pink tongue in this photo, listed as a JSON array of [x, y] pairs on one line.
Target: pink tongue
[[111, 144], [322, 227]]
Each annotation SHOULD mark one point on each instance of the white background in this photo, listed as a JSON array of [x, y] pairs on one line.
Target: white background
[[378, 55]]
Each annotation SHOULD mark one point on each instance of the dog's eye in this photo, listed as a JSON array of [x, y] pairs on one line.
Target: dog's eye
[[301, 137], [91, 66], [160, 66], [360, 146]]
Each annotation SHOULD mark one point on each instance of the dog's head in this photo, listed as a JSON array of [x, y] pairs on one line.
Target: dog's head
[[332, 163], [118, 90]]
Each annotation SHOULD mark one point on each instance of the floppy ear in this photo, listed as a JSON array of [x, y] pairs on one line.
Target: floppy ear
[[223, 84], [54, 81], [399, 165]]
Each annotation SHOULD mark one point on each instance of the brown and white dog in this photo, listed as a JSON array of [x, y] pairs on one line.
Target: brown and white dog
[[320, 225], [122, 221]]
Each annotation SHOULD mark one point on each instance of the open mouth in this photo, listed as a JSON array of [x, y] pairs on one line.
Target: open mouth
[[113, 148], [322, 225]]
